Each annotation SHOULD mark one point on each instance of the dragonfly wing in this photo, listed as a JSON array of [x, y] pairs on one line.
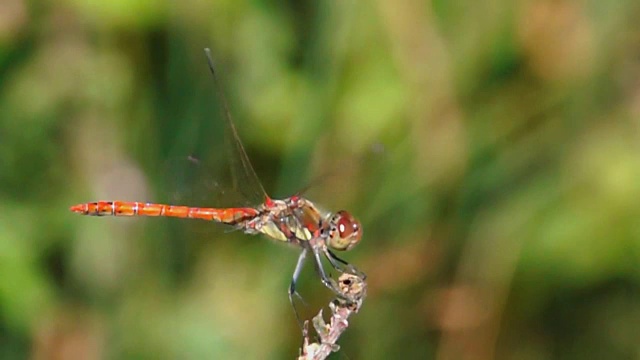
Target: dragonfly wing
[[244, 176], [208, 164]]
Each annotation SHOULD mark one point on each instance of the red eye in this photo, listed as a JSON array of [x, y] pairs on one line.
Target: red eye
[[345, 224], [347, 231]]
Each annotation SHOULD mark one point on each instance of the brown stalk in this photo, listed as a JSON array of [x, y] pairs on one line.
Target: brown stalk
[[353, 290]]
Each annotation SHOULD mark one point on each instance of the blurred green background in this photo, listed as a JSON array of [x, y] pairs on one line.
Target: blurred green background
[[490, 148]]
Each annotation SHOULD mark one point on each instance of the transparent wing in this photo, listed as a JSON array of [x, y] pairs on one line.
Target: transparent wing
[[208, 165], [243, 174]]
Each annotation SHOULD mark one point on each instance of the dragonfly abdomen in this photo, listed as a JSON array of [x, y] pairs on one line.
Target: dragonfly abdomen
[[231, 216]]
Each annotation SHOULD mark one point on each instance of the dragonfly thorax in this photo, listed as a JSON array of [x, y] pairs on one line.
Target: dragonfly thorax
[[298, 220], [293, 220]]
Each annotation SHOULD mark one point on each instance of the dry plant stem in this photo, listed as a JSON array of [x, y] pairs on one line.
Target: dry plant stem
[[353, 290]]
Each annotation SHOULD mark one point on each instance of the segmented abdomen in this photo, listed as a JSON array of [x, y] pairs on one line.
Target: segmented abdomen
[[231, 216]]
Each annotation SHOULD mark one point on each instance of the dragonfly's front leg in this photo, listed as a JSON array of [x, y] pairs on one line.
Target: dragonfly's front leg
[[342, 265], [327, 281]]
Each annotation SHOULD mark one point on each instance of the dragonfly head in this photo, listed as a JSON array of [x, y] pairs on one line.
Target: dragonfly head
[[344, 231]]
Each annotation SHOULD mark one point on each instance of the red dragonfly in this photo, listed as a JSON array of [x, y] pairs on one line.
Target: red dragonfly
[[294, 220]]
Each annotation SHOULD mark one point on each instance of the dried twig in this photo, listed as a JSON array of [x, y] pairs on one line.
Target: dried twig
[[353, 289]]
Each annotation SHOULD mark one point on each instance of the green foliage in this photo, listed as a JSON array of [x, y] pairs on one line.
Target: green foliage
[[490, 150]]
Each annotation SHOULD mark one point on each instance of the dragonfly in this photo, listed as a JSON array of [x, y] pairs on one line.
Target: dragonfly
[[294, 220]]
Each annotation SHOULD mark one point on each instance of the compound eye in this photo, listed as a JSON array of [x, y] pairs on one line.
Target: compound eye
[[346, 226], [348, 231]]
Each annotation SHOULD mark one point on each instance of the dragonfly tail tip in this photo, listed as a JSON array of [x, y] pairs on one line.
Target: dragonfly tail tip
[[77, 208]]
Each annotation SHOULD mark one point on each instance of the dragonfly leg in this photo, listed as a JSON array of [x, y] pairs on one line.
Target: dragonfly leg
[[327, 281], [292, 286], [342, 265]]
